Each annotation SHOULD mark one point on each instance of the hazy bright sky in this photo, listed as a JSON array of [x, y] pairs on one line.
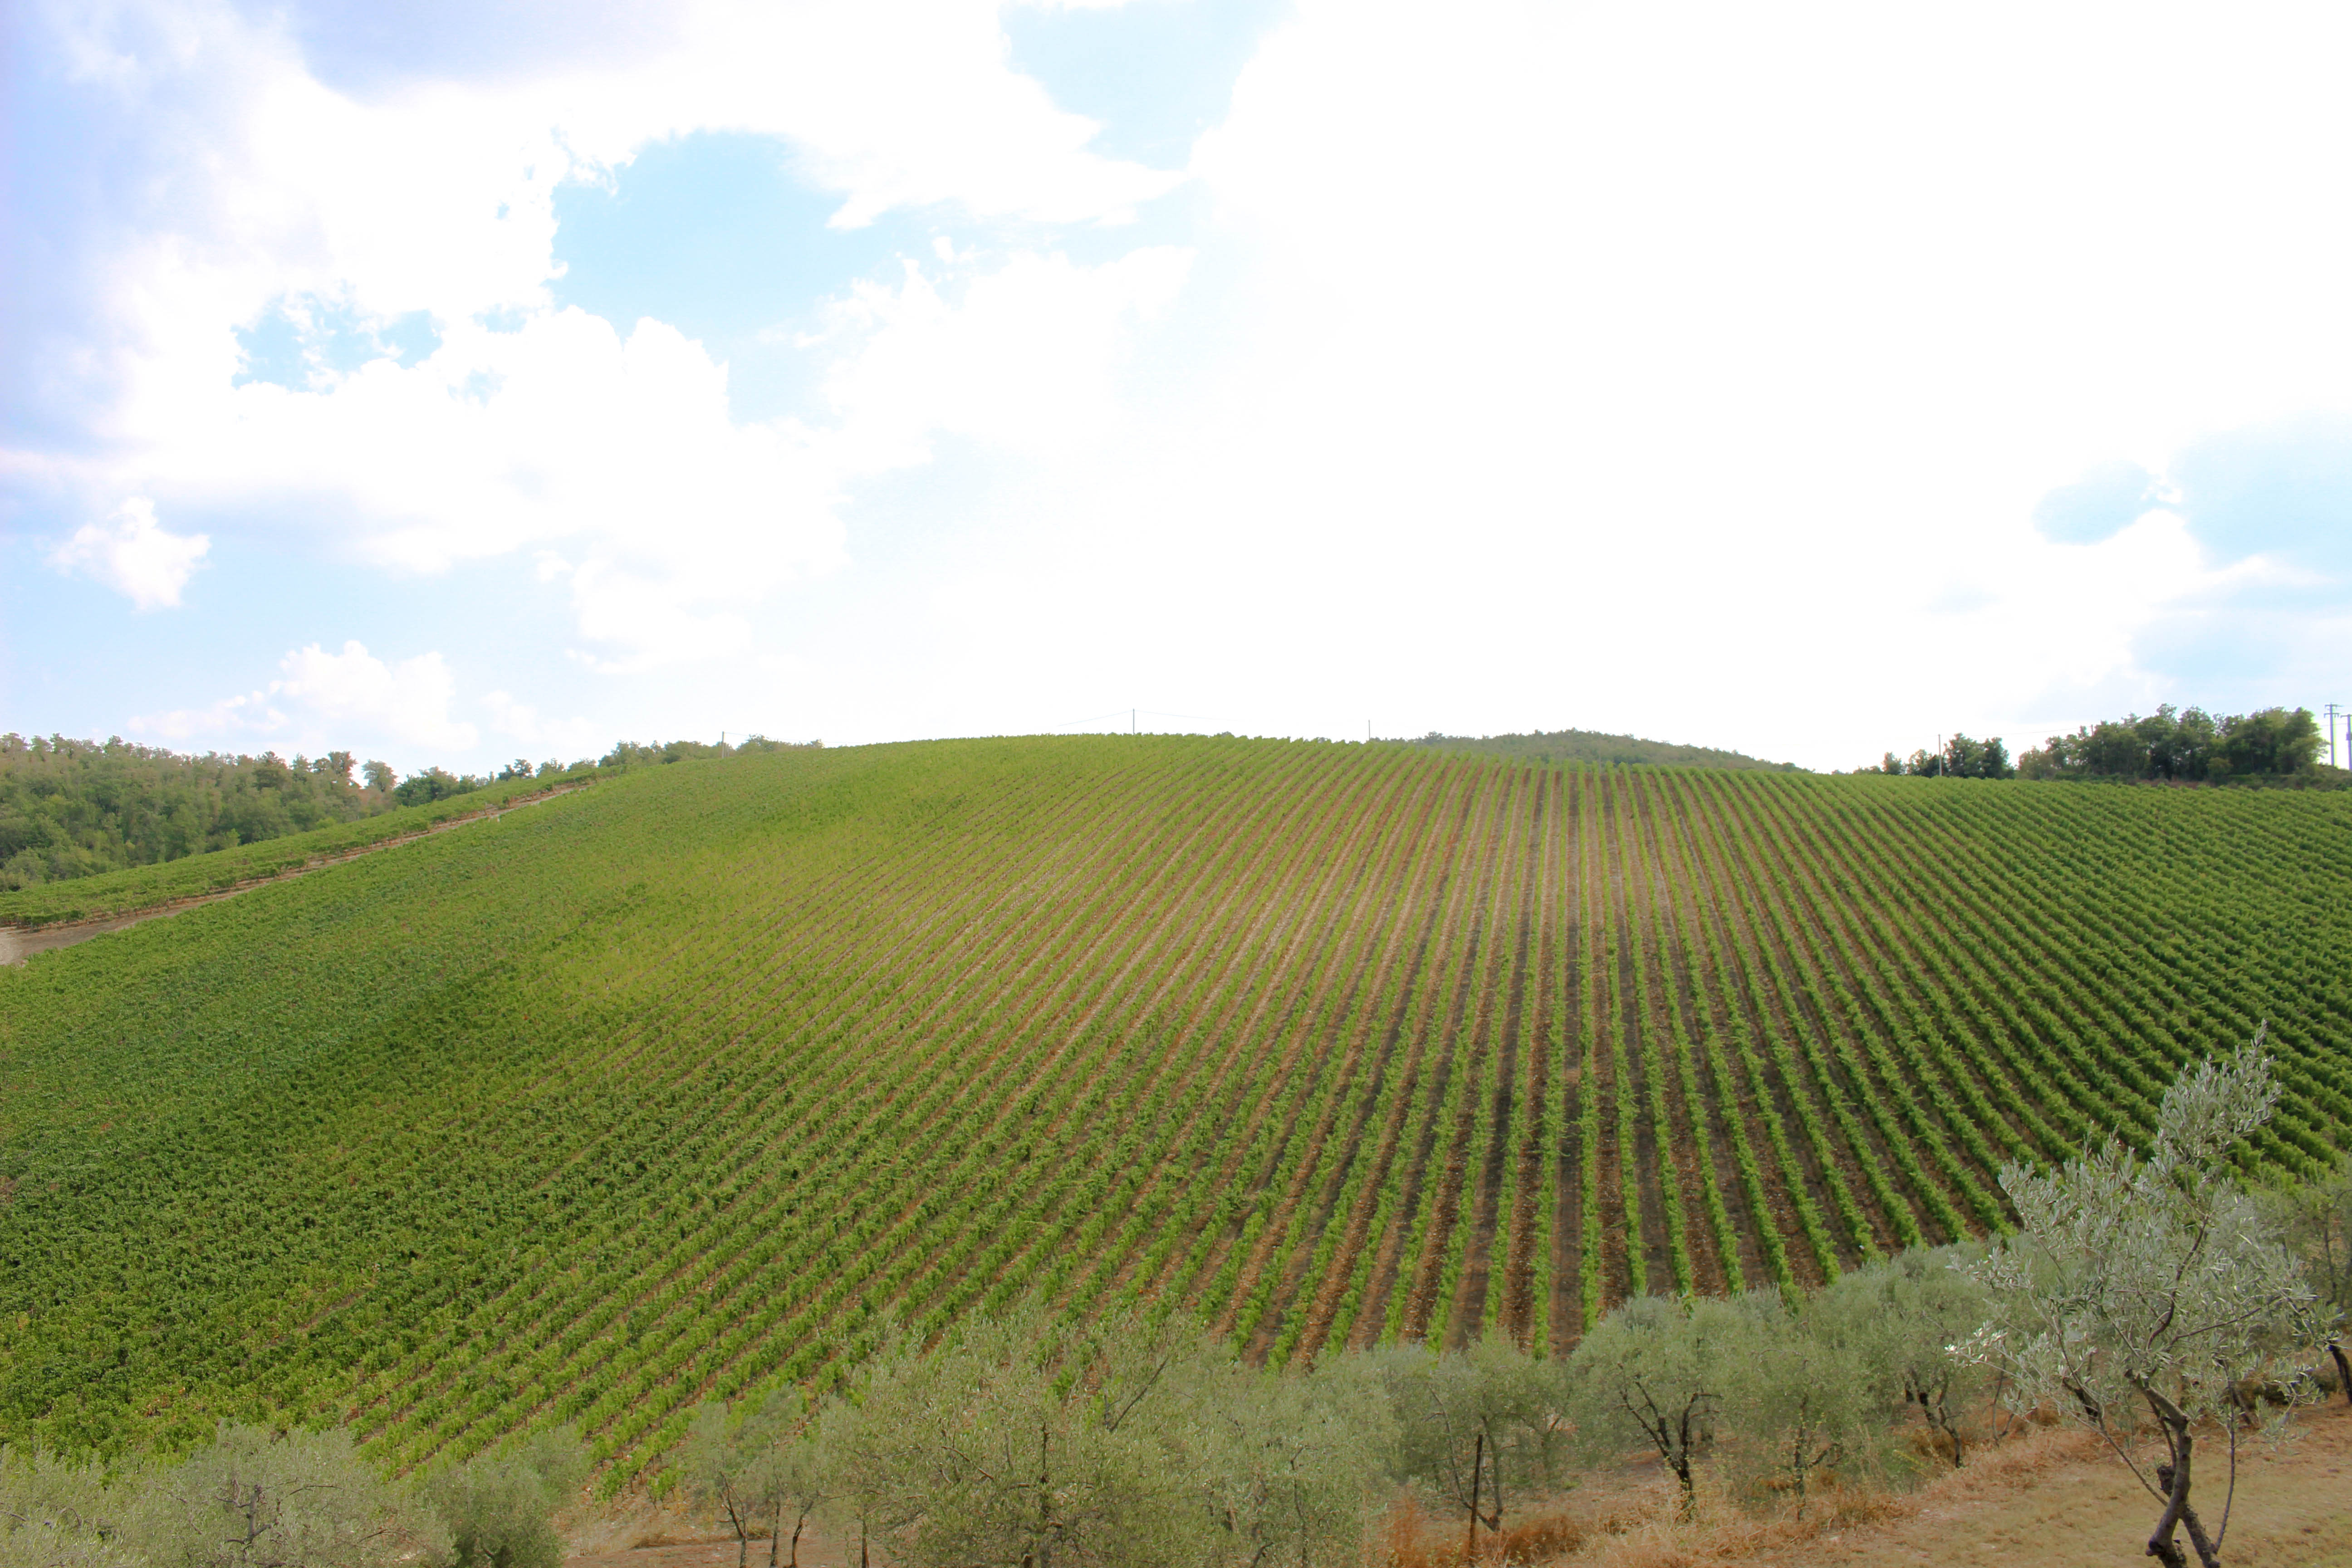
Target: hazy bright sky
[[454, 381]]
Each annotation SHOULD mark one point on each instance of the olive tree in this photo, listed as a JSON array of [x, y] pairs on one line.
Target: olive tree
[[61, 1513], [757, 1464], [2144, 1291], [253, 1500], [1021, 1440], [1655, 1371], [1891, 1323], [2314, 1218], [1799, 1400], [1284, 1465], [499, 1509], [1477, 1426]]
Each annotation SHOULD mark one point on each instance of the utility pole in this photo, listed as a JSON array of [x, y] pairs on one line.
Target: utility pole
[[2331, 733], [1131, 727]]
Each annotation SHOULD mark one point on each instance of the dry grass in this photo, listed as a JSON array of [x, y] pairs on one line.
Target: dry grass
[[2046, 1496]]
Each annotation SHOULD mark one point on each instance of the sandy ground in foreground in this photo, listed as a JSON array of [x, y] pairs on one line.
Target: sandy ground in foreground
[[2047, 1499]]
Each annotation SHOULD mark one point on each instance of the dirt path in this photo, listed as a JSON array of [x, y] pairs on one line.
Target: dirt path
[[18, 943]]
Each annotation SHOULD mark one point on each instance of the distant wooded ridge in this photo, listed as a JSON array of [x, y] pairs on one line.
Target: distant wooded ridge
[[73, 809], [2171, 745], [1593, 746]]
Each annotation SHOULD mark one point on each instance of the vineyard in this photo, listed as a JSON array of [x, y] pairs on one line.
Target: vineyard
[[687, 1082]]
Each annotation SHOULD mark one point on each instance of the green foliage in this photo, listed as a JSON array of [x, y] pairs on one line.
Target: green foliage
[[2186, 746], [75, 808], [666, 1089], [1961, 758], [1655, 1374], [64, 1513], [2148, 1292], [2314, 1220], [1478, 1429], [1022, 1441], [1889, 1325], [1592, 747], [1285, 1464], [253, 1500], [762, 1466], [499, 1509], [144, 887], [439, 783]]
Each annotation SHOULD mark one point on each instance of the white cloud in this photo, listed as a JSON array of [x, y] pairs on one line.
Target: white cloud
[[522, 722], [409, 700], [615, 446], [322, 698], [1025, 359], [134, 555], [1684, 371]]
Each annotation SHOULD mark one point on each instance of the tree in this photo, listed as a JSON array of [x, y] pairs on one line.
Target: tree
[[756, 1463], [499, 1509], [1799, 1400], [1021, 1440], [60, 1513], [255, 1500], [1476, 1425], [2271, 740], [2183, 746], [1892, 1320], [2152, 1282], [2314, 1218], [1655, 1371], [1284, 1463]]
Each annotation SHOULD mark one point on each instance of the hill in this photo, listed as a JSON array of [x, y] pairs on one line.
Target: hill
[[1591, 746], [666, 1087]]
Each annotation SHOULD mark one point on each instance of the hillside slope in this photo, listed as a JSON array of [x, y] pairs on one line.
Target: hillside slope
[[659, 1090], [1597, 747]]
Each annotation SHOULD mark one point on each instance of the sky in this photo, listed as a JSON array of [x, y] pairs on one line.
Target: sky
[[459, 382]]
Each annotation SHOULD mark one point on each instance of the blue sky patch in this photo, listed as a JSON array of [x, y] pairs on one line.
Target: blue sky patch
[[297, 341], [2104, 501], [2282, 490], [1154, 74], [716, 234]]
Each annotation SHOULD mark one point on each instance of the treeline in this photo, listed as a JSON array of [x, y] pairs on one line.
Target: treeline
[[254, 1499], [2184, 745], [1028, 1440], [74, 808], [1594, 747], [1961, 758], [2273, 745]]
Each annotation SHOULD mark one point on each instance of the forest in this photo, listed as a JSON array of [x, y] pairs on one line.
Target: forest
[[73, 809], [2171, 745]]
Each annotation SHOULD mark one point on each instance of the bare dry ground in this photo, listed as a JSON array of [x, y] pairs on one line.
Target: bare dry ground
[[2049, 1499]]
